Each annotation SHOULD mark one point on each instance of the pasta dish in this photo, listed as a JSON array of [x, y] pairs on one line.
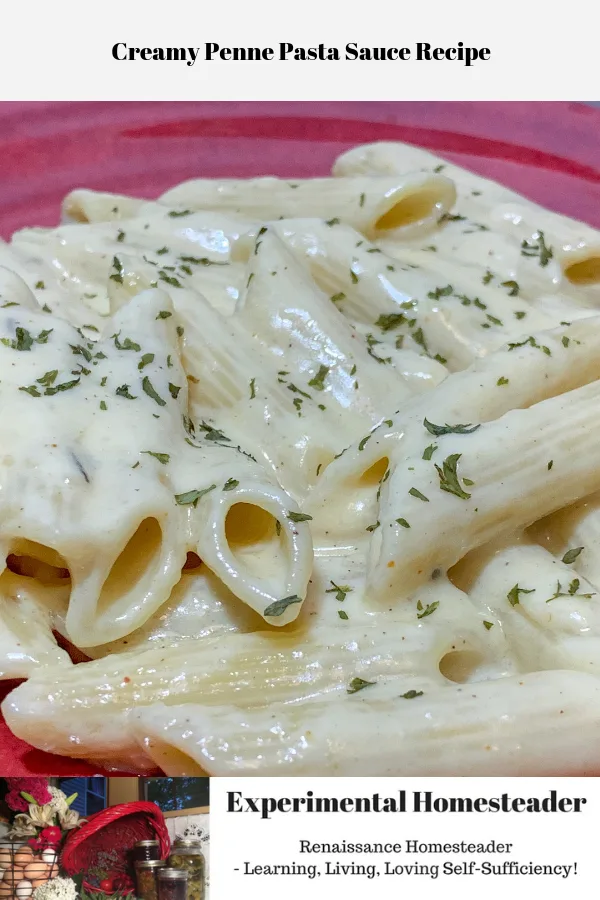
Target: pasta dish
[[308, 473]]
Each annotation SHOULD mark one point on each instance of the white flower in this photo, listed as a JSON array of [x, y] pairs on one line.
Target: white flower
[[59, 800], [57, 889], [22, 826], [70, 819], [42, 816]]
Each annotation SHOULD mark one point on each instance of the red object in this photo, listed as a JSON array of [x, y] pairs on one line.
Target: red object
[[114, 830], [35, 787], [51, 836], [122, 883], [550, 152], [16, 802], [106, 885], [18, 758]]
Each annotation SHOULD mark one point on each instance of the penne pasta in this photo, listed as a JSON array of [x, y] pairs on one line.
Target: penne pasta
[[447, 733], [393, 206], [286, 462]]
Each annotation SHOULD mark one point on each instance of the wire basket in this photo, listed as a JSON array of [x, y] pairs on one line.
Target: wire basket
[[24, 869], [102, 846]]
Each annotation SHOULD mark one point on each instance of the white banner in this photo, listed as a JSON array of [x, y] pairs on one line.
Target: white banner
[[411, 837], [263, 50]]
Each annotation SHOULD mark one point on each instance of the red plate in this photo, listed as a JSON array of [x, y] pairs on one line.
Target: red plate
[[549, 152]]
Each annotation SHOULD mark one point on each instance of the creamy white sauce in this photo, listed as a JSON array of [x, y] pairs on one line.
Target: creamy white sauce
[[309, 347]]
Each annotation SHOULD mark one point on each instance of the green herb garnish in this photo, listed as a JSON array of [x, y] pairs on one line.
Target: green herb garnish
[[438, 430], [48, 378], [571, 555], [126, 344], [440, 292], [537, 247], [448, 476], [117, 275], [428, 610], [419, 338], [149, 389], [571, 592], [190, 498], [65, 386], [513, 594], [169, 279], [146, 359], [512, 286], [123, 391], [278, 607], [298, 517], [389, 321], [340, 590], [318, 381], [212, 434], [357, 684]]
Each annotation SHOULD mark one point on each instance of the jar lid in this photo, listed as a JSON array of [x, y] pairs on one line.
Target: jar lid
[[146, 844], [173, 874], [187, 842], [149, 863]]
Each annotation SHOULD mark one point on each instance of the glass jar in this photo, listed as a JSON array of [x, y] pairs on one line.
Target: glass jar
[[187, 854], [145, 876], [172, 884], [145, 850]]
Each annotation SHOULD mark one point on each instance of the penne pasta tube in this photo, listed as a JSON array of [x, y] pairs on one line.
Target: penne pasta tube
[[26, 619], [577, 525], [457, 515], [141, 473], [406, 206], [309, 661], [544, 723], [274, 413], [64, 264], [510, 378], [574, 246], [308, 335], [547, 610], [199, 606], [85, 206], [412, 296]]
